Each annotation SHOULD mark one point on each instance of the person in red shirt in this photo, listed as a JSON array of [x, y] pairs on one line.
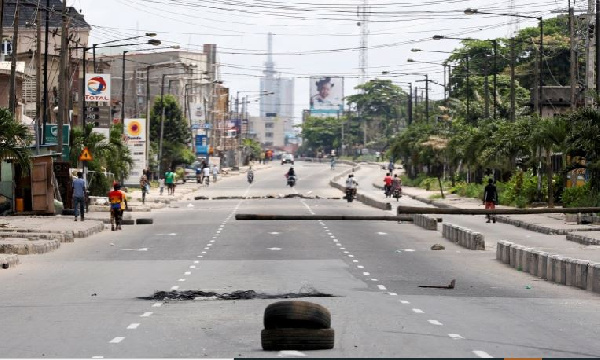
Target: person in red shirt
[[388, 184], [118, 204]]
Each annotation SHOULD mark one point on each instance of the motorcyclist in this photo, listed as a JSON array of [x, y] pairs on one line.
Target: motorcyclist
[[396, 185], [250, 175], [291, 175], [387, 180], [351, 185]]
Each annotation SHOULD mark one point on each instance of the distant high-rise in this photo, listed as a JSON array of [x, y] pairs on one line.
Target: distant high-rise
[[278, 98]]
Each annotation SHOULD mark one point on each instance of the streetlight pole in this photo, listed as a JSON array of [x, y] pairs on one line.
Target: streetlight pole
[[122, 94]]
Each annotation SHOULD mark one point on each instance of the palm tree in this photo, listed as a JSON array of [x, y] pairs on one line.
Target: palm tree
[[14, 140]]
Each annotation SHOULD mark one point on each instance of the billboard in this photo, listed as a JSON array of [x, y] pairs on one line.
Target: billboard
[[197, 113], [97, 87], [201, 145], [135, 136], [326, 94]]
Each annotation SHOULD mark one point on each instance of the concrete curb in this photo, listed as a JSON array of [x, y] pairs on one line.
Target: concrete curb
[[23, 246], [562, 270], [8, 261], [465, 237], [583, 239], [36, 236], [425, 221]]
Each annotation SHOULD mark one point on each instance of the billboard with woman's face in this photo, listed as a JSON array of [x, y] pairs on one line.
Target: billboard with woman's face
[[326, 94]]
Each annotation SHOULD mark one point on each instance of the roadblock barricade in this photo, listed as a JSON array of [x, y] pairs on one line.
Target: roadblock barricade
[[462, 236]]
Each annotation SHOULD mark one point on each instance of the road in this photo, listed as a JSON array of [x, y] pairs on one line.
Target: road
[[83, 300]]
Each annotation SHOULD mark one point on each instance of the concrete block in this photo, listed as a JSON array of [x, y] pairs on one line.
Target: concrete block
[[479, 240], [550, 267], [532, 262], [581, 273], [499, 249], [594, 277], [525, 254], [542, 264], [570, 275], [513, 256], [560, 270], [506, 252]]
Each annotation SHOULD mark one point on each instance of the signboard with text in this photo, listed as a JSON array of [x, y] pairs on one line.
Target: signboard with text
[[201, 145], [97, 87], [135, 134], [51, 137]]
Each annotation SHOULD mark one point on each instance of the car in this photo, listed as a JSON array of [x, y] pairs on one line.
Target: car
[[287, 159]]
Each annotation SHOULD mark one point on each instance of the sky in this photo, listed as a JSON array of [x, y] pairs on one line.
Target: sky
[[315, 38]]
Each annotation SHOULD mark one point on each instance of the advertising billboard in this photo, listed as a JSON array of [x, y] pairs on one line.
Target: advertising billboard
[[97, 87], [135, 136], [201, 145], [197, 113], [326, 94]]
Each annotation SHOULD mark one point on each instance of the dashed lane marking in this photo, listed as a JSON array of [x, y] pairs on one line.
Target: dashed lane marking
[[355, 261], [404, 302], [97, 357], [393, 294], [117, 340], [418, 311], [158, 304], [366, 273], [133, 326], [181, 280], [360, 267], [482, 354], [147, 314], [174, 287], [351, 256], [381, 287], [374, 280], [435, 322], [187, 273], [455, 336]]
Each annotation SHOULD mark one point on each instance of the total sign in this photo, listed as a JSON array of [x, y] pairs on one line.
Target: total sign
[[97, 87]]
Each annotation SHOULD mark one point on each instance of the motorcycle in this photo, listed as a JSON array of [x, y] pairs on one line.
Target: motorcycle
[[250, 177], [350, 194], [291, 181], [397, 193]]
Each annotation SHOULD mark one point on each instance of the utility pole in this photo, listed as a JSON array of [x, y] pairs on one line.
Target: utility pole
[[63, 76], [468, 88], [12, 101], [2, 30], [45, 107], [486, 93], [409, 106], [573, 59], [38, 79], [495, 42], [589, 55], [513, 103], [597, 38], [416, 100], [426, 97]]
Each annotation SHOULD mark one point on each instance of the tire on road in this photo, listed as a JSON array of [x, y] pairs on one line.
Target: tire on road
[[297, 339], [68, 212], [296, 314], [127, 222], [144, 221]]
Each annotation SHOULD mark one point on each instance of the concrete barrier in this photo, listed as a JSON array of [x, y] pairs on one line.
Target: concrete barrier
[[425, 221], [582, 239], [462, 236], [581, 274], [7, 261]]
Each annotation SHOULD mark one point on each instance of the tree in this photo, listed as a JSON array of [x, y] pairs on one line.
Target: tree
[[584, 138], [322, 134], [177, 135], [14, 139]]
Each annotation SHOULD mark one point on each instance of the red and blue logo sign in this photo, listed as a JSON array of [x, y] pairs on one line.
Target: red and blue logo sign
[[98, 87]]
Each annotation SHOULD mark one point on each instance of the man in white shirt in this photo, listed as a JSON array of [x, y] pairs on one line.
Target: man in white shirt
[[206, 174]]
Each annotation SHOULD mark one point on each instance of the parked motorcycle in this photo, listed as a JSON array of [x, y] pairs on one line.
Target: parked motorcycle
[[397, 193], [350, 194], [250, 176]]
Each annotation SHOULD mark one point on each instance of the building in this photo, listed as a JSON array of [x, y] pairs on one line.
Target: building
[[269, 131], [185, 77], [277, 100], [556, 100], [79, 31]]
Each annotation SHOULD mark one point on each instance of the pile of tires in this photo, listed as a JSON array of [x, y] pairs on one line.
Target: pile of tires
[[297, 325]]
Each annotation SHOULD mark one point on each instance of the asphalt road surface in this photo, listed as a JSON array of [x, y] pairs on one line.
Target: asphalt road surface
[[84, 299]]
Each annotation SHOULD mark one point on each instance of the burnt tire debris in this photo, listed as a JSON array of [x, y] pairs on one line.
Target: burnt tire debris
[[189, 295], [297, 314], [144, 221]]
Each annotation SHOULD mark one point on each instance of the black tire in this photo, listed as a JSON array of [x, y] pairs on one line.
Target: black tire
[[296, 314], [127, 222], [297, 339], [68, 212], [144, 221]]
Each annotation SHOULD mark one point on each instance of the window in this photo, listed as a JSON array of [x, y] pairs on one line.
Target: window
[[269, 125], [268, 134]]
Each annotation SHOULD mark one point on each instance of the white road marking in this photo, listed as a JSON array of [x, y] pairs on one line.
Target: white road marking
[[418, 311], [97, 357], [187, 273], [181, 280], [142, 249], [290, 353], [171, 234], [157, 304], [212, 241], [343, 248], [360, 267], [381, 233], [404, 302], [351, 256], [335, 240], [207, 248], [409, 250], [354, 260], [174, 287], [218, 231], [274, 233], [117, 340], [381, 287], [455, 336], [338, 244], [204, 252], [374, 280], [274, 249], [133, 326], [147, 314], [393, 294], [435, 322], [482, 354], [366, 273], [200, 256], [209, 245], [346, 252], [333, 237]]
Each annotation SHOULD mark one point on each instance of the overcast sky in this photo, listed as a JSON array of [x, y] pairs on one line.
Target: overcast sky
[[313, 37]]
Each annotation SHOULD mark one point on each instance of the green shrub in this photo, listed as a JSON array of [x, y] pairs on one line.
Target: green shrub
[[179, 174], [581, 196]]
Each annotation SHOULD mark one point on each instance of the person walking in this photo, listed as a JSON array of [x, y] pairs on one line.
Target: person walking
[[118, 204], [490, 199], [79, 188], [206, 174], [170, 182], [161, 184], [215, 173], [391, 167], [144, 186]]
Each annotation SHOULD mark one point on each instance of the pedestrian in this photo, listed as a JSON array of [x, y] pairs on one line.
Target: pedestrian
[[79, 188], [118, 204], [161, 184], [206, 174], [490, 199], [144, 185], [170, 181], [391, 167], [262, 158], [215, 172]]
